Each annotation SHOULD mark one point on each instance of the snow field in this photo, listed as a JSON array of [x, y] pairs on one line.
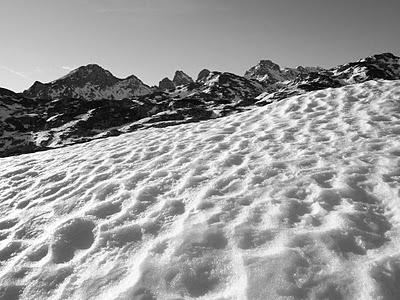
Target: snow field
[[295, 200]]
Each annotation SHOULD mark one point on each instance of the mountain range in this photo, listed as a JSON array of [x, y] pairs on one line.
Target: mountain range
[[90, 102]]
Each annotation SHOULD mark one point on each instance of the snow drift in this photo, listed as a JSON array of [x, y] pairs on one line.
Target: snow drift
[[295, 200]]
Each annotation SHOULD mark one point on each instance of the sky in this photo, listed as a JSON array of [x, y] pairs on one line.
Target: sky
[[45, 39]]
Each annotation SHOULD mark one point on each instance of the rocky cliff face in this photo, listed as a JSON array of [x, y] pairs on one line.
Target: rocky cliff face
[[90, 82]]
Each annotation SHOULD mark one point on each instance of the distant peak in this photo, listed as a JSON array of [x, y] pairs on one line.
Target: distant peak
[[132, 77], [385, 54], [268, 64], [93, 68], [203, 74], [181, 78], [166, 84], [179, 73], [381, 56]]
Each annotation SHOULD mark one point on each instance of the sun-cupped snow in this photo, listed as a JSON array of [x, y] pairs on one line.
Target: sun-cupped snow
[[295, 200]]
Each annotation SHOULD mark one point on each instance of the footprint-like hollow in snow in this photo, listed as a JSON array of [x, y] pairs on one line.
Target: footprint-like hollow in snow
[[10, 250], [104, 210], [70, 236], [7, 224], [120, 236], [324, 179], [10, 292]]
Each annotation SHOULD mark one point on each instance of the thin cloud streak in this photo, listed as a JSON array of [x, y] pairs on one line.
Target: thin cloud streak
[[5, 68], [67, 68]]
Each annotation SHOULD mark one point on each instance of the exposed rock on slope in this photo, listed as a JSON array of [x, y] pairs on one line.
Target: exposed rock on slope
[[379, 66], [90, 82], [30, 125]]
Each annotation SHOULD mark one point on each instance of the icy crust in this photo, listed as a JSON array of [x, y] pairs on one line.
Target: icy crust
[[295, 200]]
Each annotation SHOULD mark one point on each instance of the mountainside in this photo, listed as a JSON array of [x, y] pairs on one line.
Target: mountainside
[[30, 123], [89, 82], [379, 66], [298, 199]]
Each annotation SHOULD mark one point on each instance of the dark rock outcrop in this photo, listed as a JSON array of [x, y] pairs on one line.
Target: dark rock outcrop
[[166, 84]]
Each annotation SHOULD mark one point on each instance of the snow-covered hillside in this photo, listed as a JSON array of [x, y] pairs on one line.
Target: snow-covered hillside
[[298, 199]]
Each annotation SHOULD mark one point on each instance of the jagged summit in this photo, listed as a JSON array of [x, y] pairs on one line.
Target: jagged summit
[[268, 72], [91, 73], [203, 74], [90, 82], [266, 63], [166, 84], [181, 78]]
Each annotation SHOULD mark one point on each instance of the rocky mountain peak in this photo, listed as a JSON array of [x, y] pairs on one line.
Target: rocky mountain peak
[[89, 82], [268, 64], [203, 75], [91, 73], [166, 84], [265, 71], [181, 78]]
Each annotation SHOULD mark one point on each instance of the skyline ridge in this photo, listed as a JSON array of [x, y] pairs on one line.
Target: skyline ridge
[[154, 38], [73, 70]]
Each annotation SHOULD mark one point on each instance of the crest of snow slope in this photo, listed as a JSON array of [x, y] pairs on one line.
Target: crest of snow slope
[[295, 200]]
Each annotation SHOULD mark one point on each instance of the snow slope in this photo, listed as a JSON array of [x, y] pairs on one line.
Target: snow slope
[[295, 200]]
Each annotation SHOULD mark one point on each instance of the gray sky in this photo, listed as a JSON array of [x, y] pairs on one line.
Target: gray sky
[[43, 39]]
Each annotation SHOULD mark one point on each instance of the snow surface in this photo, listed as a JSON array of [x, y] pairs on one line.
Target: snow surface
[[295, 200]]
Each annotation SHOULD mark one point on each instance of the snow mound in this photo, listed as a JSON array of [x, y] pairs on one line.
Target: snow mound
[[295, 200]]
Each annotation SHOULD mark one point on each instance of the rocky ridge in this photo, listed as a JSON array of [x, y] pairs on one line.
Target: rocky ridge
[[90, 82], [59, 113]]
